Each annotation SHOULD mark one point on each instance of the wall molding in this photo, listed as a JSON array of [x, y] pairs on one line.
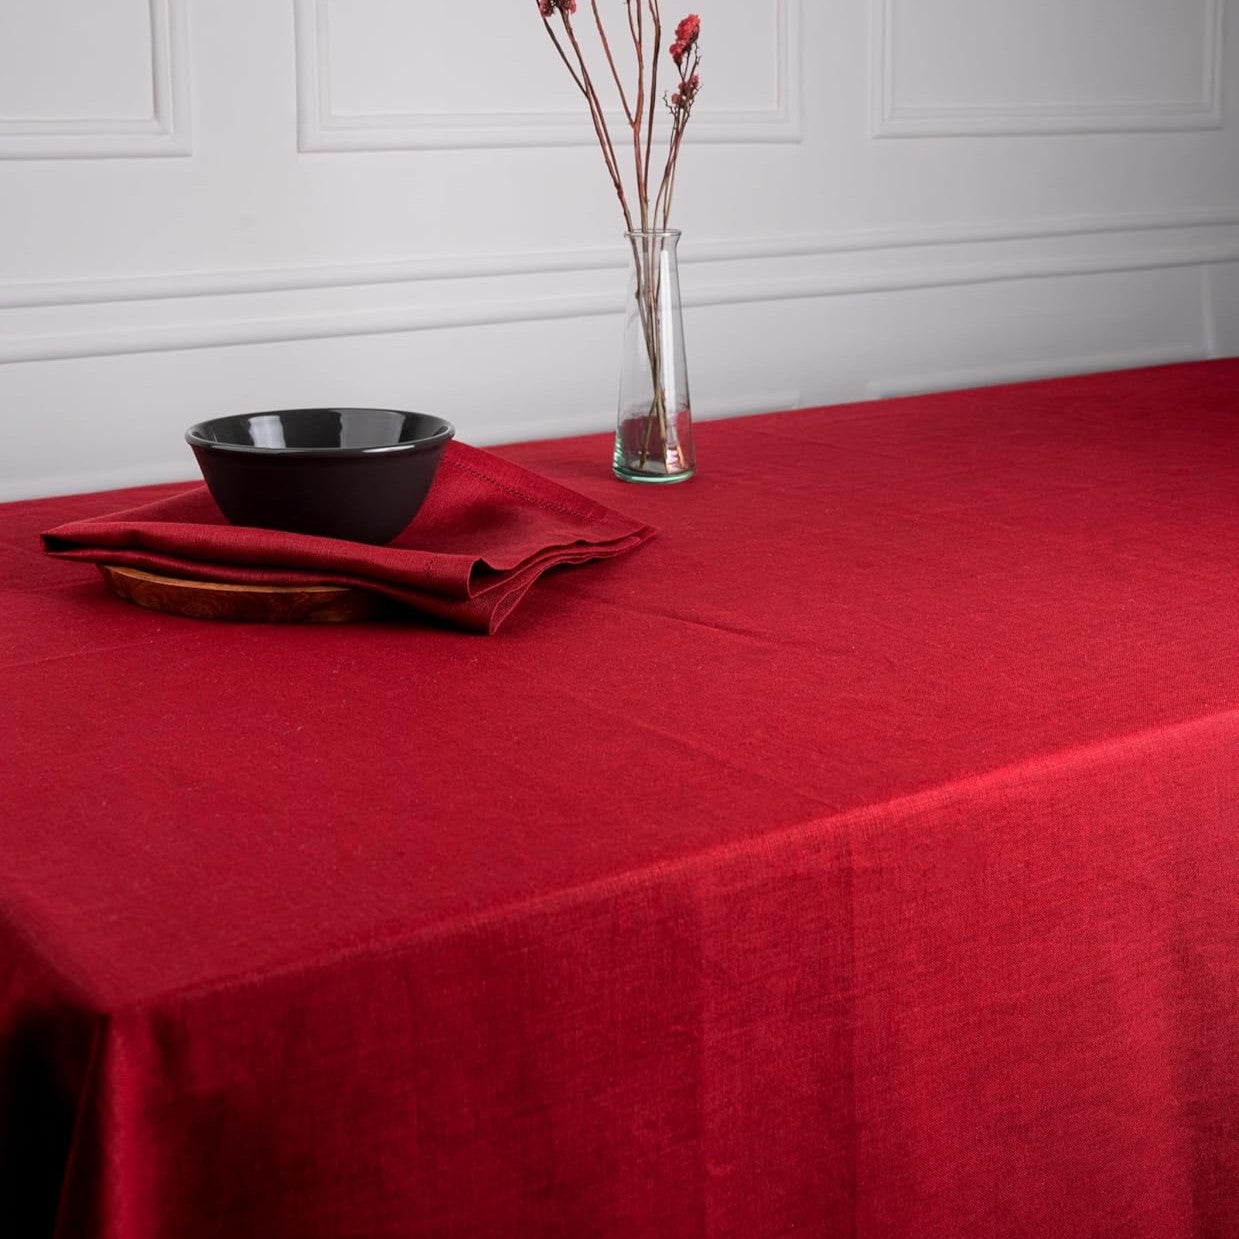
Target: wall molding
[[165, 132], [891, 119], [195, 284], [1028, 371], [492, 311], [320, 127]]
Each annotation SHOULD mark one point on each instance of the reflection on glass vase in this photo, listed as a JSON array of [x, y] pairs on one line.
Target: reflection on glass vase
[[654, 431]]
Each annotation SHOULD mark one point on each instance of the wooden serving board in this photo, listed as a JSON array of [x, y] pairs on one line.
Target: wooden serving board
[[273, 604]]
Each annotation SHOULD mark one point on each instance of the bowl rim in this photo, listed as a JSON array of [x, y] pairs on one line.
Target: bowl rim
[[439, 437]]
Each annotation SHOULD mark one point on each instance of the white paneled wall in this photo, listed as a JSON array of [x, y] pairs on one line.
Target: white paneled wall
[[215, 205]]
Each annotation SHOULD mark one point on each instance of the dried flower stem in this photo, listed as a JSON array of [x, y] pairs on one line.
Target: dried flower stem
[[643, 17], [656, 24], [606, 47], [586, 86]]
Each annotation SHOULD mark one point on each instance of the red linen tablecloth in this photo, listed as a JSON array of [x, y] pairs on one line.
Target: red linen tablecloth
[[859, 858]]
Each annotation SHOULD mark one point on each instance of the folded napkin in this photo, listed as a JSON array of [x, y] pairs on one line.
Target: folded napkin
[[487, 531]]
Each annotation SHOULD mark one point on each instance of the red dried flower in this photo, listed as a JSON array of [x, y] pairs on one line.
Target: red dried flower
[[685, 36], [684, 97], [547, 7]]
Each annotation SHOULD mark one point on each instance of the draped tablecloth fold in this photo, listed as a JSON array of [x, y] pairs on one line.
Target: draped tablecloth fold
[[488, 530]]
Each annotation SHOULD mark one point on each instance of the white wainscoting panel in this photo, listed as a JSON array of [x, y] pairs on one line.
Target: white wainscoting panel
[[373, 77], [957, 67], [387, 203], [93, 79]]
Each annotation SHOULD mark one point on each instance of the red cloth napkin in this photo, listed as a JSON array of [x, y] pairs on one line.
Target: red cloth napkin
[[487, 531]]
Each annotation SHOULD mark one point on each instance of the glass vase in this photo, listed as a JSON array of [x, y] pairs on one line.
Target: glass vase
[[654, 428]]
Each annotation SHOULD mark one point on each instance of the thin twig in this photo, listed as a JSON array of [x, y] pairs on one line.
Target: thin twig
[[681, 105], [656, 22], [564, 57], [606, 47], [643, 189], [600, 121]]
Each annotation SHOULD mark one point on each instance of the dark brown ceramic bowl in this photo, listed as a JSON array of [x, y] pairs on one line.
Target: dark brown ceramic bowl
[[360, 474]]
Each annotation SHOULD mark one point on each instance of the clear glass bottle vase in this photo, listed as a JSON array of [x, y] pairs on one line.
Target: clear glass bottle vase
[[654, 429]]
